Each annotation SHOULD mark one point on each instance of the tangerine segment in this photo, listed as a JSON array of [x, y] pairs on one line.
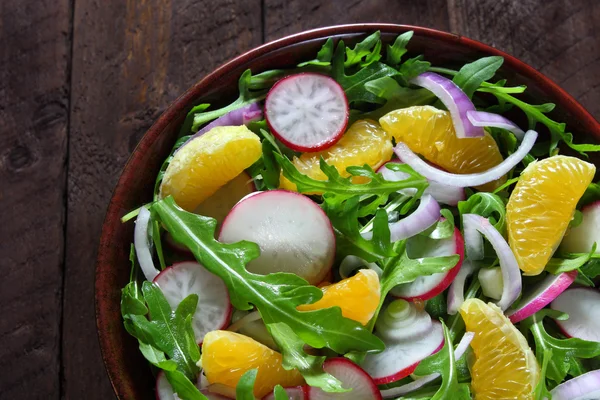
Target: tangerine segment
[[541, 207], [207, 163], [505, 367], [363, 143], [429, 132], [226, 356], [357, 296], [222, 201]]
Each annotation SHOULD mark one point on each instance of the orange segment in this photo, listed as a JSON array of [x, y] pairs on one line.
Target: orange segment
[[222, 201], [430, 133], [208, 162], [542, 205], [505, 367], [364, 143], [357, 296], [226, 356]]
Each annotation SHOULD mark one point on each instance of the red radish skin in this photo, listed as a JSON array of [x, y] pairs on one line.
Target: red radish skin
[[352, 377], [293, 94], [292, 231], [447, 279], [542, 295], [294, 393], [214, 308], [374, 362], [583, 307]]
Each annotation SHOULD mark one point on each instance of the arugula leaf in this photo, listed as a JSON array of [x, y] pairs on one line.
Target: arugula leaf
[[276, 296], [442, 229], [541, 391], [591, 194], [183, 387], [444, 363], [398, 49], [413, 67], [396, 96], [591, 269], [565, 352], [324, 55], [186, 127], [558, 265], [247, 96], [365, 52], [349, 240], [436, 307], [488, 205], [472, 75], [244, 389], [311, 367], [266, 171], [354, 85], [338, 189], [280, 393]]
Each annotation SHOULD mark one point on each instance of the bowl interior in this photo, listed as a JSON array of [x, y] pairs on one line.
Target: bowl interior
[[128, 371]]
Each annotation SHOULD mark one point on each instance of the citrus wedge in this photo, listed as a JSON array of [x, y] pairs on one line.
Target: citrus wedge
[[357, 296], [505, 367], [226, 356], [363, 143], [207, 163], [429, 132], [222, 201], [542, 205]]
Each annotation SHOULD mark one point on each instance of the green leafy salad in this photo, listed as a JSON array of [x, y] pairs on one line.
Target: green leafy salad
[[367, 225]]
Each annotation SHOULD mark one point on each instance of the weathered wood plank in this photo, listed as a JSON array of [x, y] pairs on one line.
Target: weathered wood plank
[[559, 38], [131, 58], [34, 97], [283, 17]]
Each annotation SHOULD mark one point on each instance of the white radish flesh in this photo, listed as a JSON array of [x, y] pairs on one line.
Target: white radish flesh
[[307, 112], [214, 308], [583, 307], [293, 393], [428, 286], [581, 238], [293, 233], [491, 282], [541, 295], [441, 193], [352, 377]]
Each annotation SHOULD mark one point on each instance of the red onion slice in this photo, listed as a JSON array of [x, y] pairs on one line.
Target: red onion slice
[[421, 219], [511, 275], [456, 291], [466, 180], [455, 100], [483, 118], [460, 350], [240, 116], [141, 241], [586, 386]]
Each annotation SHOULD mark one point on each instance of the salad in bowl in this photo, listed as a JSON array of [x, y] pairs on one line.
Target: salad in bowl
[[370, 225]]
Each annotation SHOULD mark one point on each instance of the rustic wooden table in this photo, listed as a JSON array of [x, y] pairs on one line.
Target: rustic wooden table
[[82, 80]]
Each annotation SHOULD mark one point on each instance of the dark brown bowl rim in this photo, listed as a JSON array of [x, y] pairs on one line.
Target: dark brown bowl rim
[[103, 263]]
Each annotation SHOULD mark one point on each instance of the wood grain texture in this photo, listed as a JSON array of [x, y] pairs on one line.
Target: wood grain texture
[[284, 17], [560, 38], [34, 61], [131, 58]]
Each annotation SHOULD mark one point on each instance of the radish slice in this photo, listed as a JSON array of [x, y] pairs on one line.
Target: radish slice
[[307, 112], [482, 118], [441, 193], [407, 341], [293, 393], [582, 387], [141, 241], [491, 282], [428, 286], [541, 295], [293, 233], [164, 390], [182, 279], [176, 246], [583, 307], [466, 180], [455, 100], [456, 293], [352, 377], [460, 350], [511, 275], [581, 238], [423, 218]]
